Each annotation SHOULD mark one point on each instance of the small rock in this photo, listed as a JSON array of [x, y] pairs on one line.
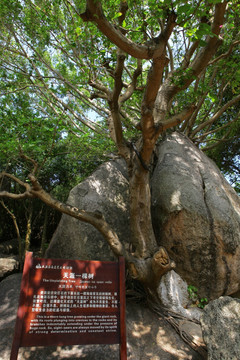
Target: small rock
[[8, 265], [173, 293]]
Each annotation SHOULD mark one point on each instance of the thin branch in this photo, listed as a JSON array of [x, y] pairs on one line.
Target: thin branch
[[91, 125], [25, 195], [202, 58], [225, 54], [27, 158], [114, 120], [16, 229], [223, 139], [132, 86], [189, 53], [216, 115], [15, 91], [99, 86], [199, 139], [14, 178], [176, 119], [193, 118]]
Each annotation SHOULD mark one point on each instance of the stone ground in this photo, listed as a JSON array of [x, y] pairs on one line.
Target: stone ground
[[148, 336]]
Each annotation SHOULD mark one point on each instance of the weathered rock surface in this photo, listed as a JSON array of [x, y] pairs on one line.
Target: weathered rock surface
[[105, 191], [221, 328], [9, 264], [196, 216], [173, 293], [148, 337]]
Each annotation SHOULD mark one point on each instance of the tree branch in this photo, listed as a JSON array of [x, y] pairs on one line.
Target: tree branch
[[161, 264], [225, 54], [199, 139], [89, 124], [190, 123], [15, 179], [149, 104], [215, 116], [94, 218], [176, 119], [27, 158], [217, 142], [94, 13], [100, 87], [201, 60], [132, 86], [114, 121], [25, 195]]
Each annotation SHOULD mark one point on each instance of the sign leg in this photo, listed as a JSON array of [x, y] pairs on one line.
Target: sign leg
[[122, 306], [22, 307]]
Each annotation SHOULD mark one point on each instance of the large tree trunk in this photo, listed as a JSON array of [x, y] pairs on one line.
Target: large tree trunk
[[149, 262], [142, 235]]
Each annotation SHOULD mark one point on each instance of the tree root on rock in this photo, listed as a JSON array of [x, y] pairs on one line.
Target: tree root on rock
[[177, 321]]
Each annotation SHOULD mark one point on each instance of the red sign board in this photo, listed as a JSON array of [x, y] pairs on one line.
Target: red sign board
[[68, 302]]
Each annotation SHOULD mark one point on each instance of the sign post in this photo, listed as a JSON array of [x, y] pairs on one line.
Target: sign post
[[70, 302]]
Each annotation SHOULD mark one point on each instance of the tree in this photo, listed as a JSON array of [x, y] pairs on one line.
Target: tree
[[140, 69]]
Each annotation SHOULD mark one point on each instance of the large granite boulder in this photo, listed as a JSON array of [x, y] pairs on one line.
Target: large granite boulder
[[148, 336], [106, 190], [196, 216], [221, 328]]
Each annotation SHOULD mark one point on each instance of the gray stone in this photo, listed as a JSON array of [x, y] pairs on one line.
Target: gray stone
[[196, 217], [8, 265], [221, 328], [148, 336], [173, 293], [105, 191]]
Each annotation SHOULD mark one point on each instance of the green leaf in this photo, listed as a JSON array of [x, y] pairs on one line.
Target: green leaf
[[117, 15]]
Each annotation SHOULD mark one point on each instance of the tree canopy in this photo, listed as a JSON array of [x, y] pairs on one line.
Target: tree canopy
[[80, 77], [66, 66]]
